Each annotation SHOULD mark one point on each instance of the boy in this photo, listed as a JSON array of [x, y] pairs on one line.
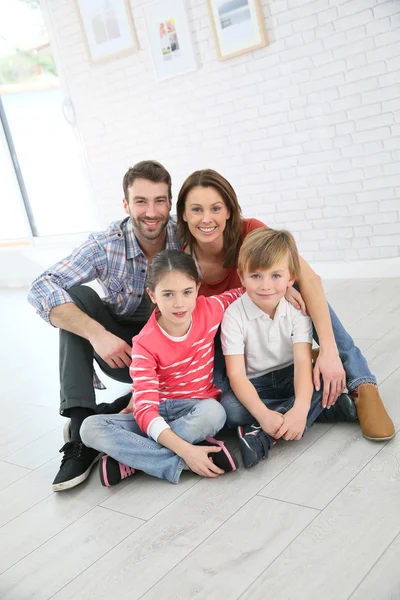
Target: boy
[[267, 348]]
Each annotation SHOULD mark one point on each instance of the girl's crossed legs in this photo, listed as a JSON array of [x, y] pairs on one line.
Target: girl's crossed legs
[[119, 435]]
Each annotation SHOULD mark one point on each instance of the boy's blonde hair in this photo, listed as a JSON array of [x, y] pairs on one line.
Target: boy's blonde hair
[[264, 248]]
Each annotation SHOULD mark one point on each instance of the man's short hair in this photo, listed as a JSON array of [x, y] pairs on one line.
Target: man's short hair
[[264, 248], [147, 169]]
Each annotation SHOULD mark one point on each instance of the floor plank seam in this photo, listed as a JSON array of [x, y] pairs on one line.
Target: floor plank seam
[[97, 560], [276, 557], [373, 566], [241, 596], [301, 454], [3, 458], [120, 512], [292, 503]]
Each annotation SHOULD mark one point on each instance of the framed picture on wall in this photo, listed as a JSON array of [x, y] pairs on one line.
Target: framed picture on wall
[[108, 28], [169, 38], [238, 26]]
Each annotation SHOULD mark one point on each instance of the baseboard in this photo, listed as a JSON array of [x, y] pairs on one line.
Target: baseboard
[[368, 269]]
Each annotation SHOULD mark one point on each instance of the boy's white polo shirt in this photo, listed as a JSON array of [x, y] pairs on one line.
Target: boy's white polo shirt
[[267, 344]]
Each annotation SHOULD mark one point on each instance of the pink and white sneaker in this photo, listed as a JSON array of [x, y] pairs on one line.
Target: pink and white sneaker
[[112, 471]]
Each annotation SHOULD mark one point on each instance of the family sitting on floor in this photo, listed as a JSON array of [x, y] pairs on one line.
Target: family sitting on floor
[[168, 286]]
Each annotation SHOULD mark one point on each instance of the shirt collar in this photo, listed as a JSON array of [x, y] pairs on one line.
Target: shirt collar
[[132, 246], [254, 312]]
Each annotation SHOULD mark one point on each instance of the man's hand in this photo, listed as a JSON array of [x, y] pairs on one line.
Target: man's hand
[[294, 423], [112, 349], [196, 458], [272, 423], [296, 299], [329, 366]]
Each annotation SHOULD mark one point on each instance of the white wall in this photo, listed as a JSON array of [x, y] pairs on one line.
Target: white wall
[[306, 129]]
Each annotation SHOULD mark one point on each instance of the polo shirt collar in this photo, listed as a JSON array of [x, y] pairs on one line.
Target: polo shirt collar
[[254, 312], [132, 246]]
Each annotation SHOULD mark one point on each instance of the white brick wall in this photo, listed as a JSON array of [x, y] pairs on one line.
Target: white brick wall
[[306, 129]]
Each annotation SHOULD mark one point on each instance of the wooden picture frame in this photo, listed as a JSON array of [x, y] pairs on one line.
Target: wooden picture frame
[[238, 26], [108, 29]]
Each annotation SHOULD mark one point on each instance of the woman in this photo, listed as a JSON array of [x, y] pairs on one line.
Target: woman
[[212, 229]]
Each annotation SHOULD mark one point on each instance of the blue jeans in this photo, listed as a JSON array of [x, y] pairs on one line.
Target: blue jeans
[[120, 436], [276, 391], [354, 364]]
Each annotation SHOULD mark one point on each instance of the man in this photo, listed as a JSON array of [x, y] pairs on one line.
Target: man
[[91, 327]]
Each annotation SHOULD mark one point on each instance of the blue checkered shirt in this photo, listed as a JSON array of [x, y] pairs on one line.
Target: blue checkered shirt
[[113, 258]]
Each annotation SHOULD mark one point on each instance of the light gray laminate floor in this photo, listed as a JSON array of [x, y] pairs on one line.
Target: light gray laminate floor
[[320, 519]]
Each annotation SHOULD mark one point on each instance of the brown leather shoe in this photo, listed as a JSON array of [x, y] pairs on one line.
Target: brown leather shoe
[[375, 423]]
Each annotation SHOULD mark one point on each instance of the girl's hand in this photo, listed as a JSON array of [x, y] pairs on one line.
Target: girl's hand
[[272, 423], [295, 298], [294, 423], [196, 458]]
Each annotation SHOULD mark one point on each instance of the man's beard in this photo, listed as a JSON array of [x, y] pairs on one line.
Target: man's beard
[[146, 233]]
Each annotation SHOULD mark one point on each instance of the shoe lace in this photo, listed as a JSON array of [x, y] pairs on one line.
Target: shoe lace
[[125, 470], [71, 450]]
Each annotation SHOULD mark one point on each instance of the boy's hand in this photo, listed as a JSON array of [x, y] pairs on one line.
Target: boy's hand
[[196, 458], [272, 423], [294, 423]]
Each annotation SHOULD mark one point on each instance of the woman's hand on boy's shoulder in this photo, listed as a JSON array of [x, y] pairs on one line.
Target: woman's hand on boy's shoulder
[[296, 299]]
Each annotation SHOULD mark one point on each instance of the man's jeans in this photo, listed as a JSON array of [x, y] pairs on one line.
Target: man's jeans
[[120, 436], [276, 391], [77, 354], [354, 364]]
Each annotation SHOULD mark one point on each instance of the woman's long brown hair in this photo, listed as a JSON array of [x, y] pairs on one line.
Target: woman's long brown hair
[[233, 230]]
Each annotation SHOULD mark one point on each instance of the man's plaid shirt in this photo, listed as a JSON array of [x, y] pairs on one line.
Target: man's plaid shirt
[[113, 258]]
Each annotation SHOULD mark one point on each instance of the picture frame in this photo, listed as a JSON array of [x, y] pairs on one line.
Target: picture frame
[[238, 26], [107, 28], [169, 37]]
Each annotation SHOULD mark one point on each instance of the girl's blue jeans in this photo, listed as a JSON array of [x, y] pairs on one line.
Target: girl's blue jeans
[[120, 436]]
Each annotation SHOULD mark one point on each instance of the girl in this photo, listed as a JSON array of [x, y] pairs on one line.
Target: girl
[[175, 405]]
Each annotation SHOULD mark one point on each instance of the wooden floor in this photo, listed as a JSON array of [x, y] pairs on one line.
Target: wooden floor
[[320, 519]]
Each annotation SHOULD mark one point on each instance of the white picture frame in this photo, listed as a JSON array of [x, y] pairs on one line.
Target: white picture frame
[[107, 27], [169, 38], [238, 26]]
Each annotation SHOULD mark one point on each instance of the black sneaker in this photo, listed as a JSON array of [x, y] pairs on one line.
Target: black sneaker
[[254, 444], [75, 467], [112, 472], [224, 459], [343, 410]]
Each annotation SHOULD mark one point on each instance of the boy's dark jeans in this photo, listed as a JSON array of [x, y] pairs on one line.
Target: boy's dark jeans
[[276, 391], [77, 354]]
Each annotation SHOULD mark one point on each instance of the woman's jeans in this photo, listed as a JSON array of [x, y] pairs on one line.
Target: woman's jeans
[[120, 436], [354, 364], [276, 391]]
